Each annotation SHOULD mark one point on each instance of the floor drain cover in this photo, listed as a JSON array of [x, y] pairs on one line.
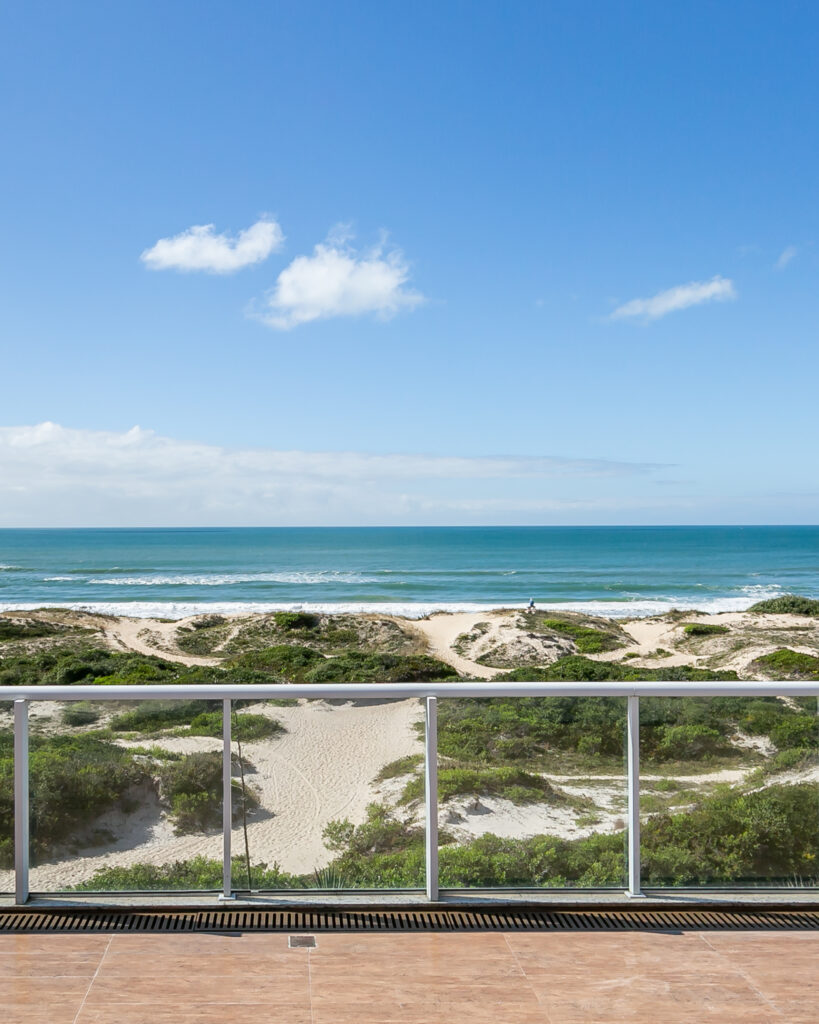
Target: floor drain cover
[[303, 924], [300, 941]]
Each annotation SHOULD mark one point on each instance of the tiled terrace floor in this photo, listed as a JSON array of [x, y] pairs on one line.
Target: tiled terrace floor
[[455, 978]]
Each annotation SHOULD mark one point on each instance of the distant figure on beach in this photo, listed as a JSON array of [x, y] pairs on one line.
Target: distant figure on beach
[[531, 607]]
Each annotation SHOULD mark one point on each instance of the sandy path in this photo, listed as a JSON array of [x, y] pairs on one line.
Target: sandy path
[[321, 769], [149, 636], [441, 632]]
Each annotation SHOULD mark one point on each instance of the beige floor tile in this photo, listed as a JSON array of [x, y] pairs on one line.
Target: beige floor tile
[[193, 1012], [204, 986]]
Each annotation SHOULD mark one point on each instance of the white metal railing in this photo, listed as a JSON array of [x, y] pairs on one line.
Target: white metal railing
[[430, 693]]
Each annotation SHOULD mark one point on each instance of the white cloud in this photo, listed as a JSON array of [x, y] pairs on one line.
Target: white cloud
[[54, 475], [198, 248], [785, 257], [718, 289], [338, 281]]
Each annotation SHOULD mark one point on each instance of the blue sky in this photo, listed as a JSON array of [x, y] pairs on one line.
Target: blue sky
[[488, 183]]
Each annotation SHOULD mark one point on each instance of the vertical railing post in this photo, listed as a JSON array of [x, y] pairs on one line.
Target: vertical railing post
[[431, 796], [227, 802], [633, 743], [21, 802]]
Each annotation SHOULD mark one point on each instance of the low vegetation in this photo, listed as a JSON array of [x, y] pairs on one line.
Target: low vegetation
[[192, 786], [292, 663], [80, 713], [155, 716], [575, 667], [587, 640], [537, 731], [510, 783], [73, 780], [766, 837], [788, 604], [328, 634], [704, 629], [192, 718], [203, 635], [33, 629], [403, 766], [787, 664], [197, 873], [245, 727], [86, 665]]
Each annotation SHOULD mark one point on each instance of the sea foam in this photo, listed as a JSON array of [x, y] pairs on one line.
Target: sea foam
[[412, 610]]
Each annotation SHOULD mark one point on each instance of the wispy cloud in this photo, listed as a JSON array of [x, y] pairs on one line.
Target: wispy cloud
[[336, 280], [785, 257], [200, 248], [718, 289], [54, 475]]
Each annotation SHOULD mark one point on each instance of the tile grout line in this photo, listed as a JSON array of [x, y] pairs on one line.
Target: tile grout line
[[742, 974], [541, 1005], [93, 979]]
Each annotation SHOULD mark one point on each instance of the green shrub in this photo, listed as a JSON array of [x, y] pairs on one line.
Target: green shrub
[[688, 743], [156, 715], [296, 664], [796, 757], [731, 838], [64, 666], [295, 620], [27, 629], [586, 639], [287, 662], [193, 788], [403, 766], [536, 730], [788, 604], [503, 730], [513, 784], [202, 635], [74, 779], [194, 874], [381, 833], [244, 727], [801, 731], [704, 629], [768, 836], [789, 664], [80, 713], [574, 667], [362, 667]]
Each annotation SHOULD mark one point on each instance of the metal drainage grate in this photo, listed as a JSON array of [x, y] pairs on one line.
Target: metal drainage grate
[[509, 918]]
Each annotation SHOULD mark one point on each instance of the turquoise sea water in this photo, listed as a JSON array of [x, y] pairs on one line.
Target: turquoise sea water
[[409, 571]]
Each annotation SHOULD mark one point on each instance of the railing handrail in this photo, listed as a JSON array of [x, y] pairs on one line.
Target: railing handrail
[[398, 691]]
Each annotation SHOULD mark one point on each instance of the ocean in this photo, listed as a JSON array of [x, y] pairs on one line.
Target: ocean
[[611, 571]]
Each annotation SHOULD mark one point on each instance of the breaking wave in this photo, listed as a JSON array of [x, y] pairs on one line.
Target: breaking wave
[[636, 608]]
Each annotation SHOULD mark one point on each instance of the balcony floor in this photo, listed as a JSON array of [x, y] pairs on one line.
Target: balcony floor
[[451, 978]]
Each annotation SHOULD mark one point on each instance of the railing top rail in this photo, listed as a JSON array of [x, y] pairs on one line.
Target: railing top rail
[[401, 691]]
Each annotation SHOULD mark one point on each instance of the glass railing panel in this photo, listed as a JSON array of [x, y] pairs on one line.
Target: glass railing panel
[[125, 796], [324, 788], [532, 792], [730, 792]]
